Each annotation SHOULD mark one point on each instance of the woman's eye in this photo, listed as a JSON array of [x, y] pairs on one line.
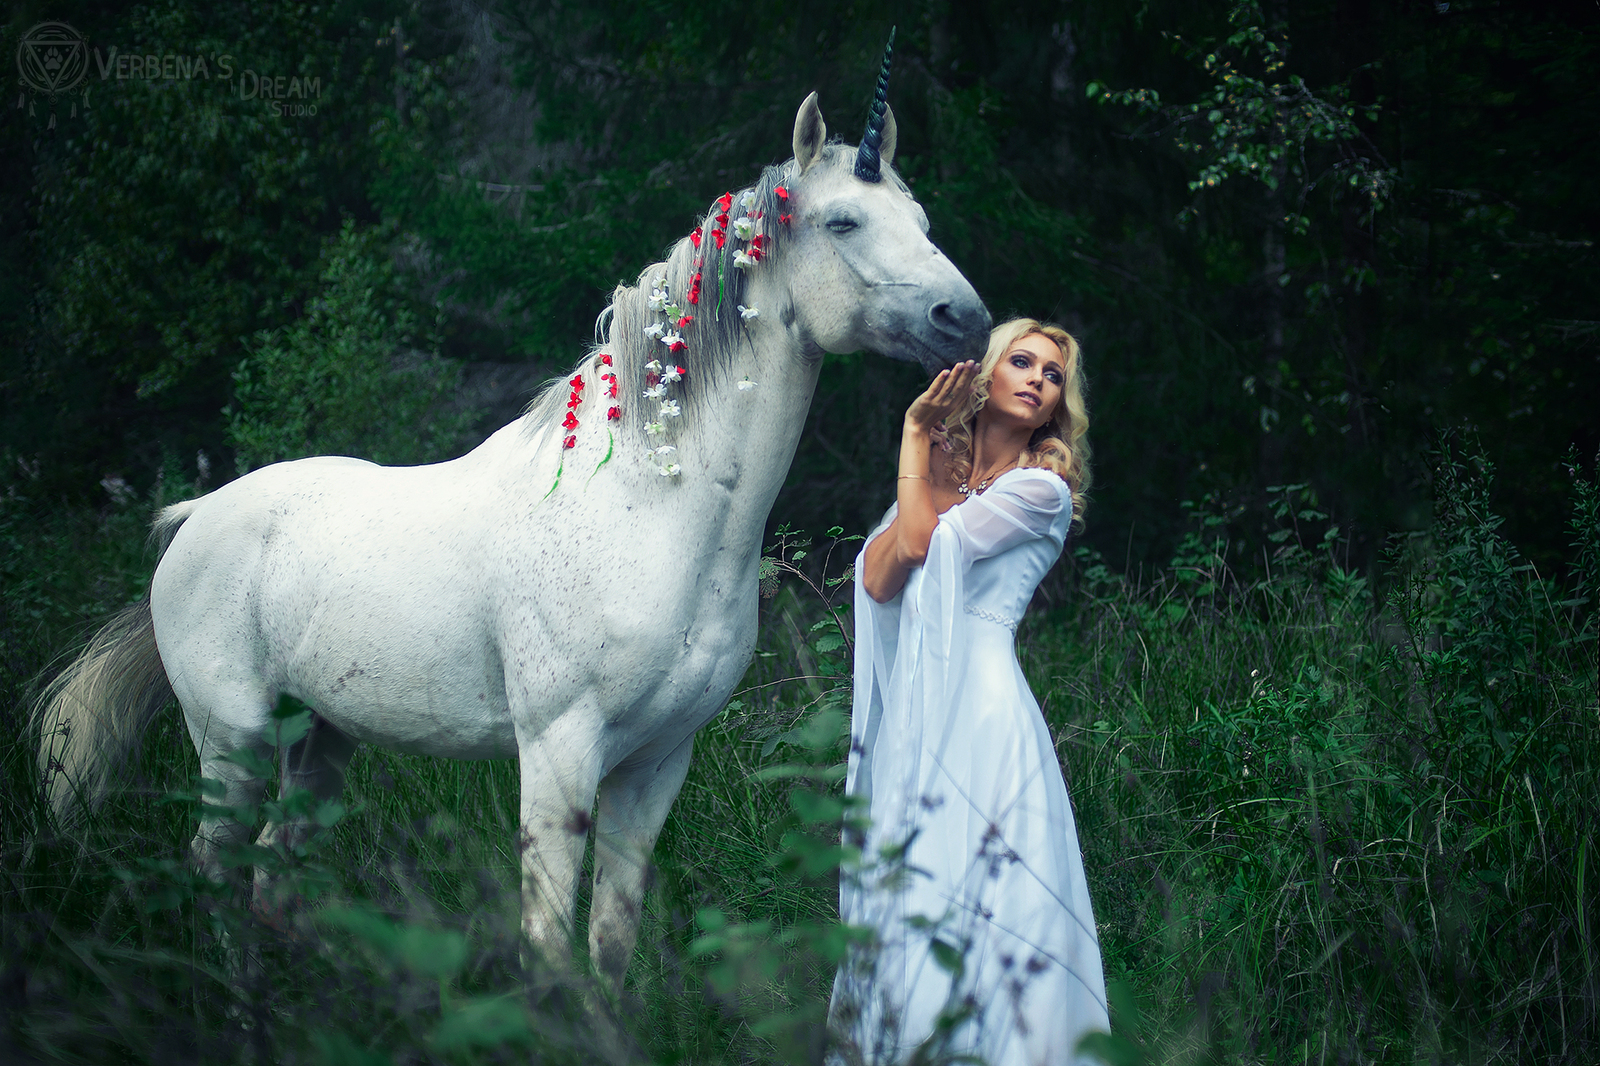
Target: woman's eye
[[1019, 362], [1053, 377], [841, 225]]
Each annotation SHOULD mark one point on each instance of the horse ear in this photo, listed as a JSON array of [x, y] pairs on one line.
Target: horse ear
[[886, 149], [810, 134]]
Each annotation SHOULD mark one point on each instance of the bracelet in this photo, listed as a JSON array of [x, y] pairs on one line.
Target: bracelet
[[914, 477]]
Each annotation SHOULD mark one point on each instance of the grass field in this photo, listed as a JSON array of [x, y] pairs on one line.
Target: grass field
[[1320, 827]]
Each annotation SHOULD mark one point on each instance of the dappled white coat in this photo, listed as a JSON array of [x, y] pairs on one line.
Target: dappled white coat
[[551, 595], [952, 754]]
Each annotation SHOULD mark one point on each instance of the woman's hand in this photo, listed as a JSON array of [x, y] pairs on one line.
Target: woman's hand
[[891, 555], [945, 395]]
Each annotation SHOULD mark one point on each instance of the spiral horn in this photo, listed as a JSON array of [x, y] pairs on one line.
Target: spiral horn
[[869, 164]]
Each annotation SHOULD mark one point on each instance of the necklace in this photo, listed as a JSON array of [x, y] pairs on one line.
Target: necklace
[[969, 493]]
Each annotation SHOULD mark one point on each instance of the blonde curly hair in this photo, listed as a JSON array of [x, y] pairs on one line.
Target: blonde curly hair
[[1060, 445]]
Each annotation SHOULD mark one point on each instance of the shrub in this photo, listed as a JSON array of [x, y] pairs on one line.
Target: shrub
[[343, 379]]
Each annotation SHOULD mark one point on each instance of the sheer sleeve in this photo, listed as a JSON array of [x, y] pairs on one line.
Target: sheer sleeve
[[1023, 505], [877, 641]]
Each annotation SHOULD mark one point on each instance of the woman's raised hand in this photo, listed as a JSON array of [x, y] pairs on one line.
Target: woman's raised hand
[[944, 395]]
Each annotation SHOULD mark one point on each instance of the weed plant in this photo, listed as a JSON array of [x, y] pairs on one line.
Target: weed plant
[[1319, 825], [1317, 831]]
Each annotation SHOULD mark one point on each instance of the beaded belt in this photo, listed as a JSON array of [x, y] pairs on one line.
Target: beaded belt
[[990, 616]]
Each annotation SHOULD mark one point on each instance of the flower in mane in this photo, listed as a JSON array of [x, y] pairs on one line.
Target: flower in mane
[[690, 305]]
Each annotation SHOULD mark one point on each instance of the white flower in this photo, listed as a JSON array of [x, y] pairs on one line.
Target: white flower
[[671, 338], [748, 200], [659, 282], [744, 227], [658, 299], [664, 450], [670, 409], [747, 313], [654, 364], [742, 261], [670, 374], [654, 329], [745, 384], [655, 429], [672, 311], [671, 470], [655, 392]]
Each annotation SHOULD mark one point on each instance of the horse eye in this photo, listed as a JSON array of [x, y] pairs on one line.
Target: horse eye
[[841, 225]]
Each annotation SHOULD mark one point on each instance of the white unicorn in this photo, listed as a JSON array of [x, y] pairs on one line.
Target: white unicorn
[[580, 591]]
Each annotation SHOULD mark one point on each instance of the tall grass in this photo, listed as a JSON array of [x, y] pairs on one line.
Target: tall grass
[[1319, 827], [1323, 832]]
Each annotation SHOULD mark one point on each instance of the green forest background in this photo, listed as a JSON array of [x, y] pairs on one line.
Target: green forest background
[[1299, 241], [1333, 266]]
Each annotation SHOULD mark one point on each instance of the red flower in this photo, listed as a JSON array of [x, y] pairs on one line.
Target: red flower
[[605, 360], [725, 201], [782, 193], [577, 381], [683, 323], [722, 219], [720, 237], [758, 241], [611, 390], [615, 413], [570, 422], [652, 378], [683, 371], [678, 347], [574, 400], [570, 442], [786, 219], [695, 236]]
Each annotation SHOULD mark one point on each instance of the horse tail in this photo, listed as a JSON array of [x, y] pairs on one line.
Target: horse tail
[[168, 519], [92, 715]]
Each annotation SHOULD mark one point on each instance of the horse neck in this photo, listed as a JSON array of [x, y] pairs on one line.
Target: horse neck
[[739, 447]]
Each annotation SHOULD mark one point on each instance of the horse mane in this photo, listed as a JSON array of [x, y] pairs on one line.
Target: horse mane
[[714, 337]]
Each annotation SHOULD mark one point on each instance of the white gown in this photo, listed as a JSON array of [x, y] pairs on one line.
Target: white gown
[[951, 752]]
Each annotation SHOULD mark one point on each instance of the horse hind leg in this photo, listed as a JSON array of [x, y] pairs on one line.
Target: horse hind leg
[[221, 827], [314, 764], [634, 801]]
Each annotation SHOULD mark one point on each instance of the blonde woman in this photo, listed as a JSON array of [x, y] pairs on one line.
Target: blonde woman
[[971, 879]]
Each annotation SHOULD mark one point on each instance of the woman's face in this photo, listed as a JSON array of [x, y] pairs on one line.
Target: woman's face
[[1027, 381]]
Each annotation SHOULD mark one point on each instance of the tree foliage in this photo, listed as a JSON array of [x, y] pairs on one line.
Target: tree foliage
[[334, 381], [1409, 249]]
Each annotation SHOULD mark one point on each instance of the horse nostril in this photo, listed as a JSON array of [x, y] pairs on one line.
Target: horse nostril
[[945, 320], [959, 322]]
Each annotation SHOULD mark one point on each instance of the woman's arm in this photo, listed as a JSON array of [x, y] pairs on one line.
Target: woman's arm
[[904, 545]]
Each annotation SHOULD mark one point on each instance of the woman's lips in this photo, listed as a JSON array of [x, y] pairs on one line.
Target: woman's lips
[[1029, 398]]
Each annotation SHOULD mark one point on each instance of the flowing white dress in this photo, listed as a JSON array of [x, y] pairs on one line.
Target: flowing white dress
[[952, 754]]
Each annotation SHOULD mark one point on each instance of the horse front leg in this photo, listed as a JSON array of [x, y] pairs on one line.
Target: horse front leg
[[560, 770], [634, 801]]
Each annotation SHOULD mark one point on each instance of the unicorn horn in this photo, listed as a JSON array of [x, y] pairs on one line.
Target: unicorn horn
[[868, 163]]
